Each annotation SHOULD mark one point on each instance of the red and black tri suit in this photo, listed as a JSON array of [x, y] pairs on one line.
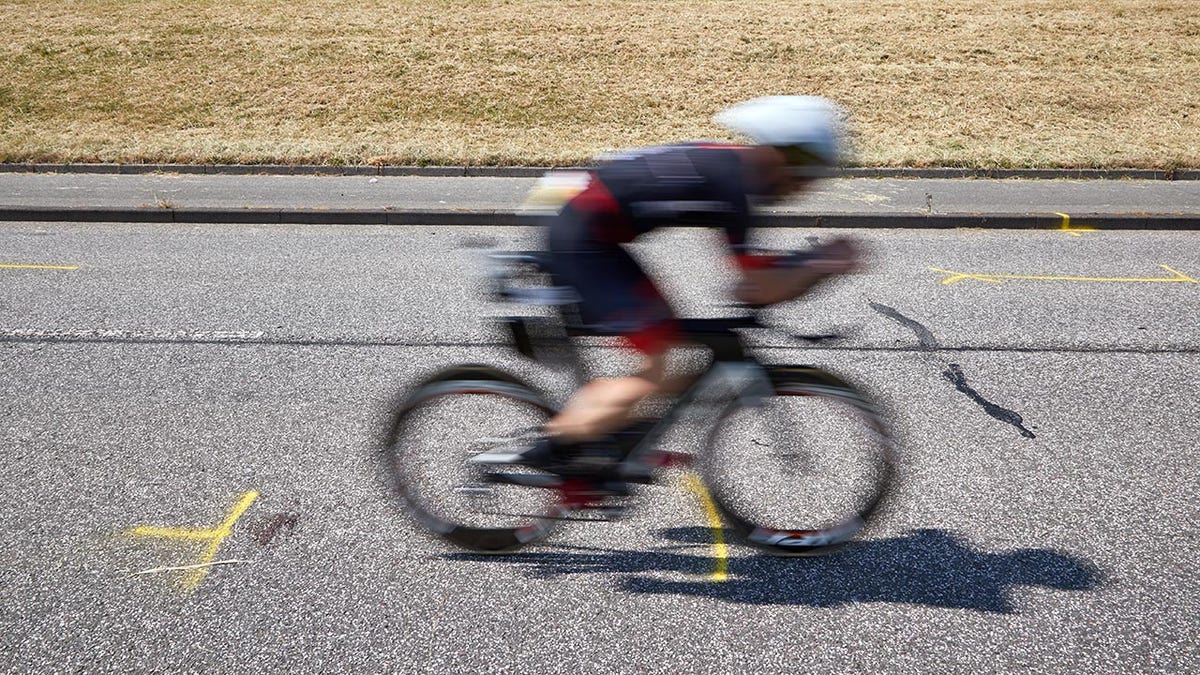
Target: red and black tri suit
[[691, 185]]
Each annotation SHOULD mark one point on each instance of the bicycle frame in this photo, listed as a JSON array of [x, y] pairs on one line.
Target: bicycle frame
[[721, 385], [731, 378]]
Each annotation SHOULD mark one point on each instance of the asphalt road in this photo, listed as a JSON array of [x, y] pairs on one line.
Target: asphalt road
[[231, 384]]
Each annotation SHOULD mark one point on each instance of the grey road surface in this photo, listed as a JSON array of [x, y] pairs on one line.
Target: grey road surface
[[175, 395]]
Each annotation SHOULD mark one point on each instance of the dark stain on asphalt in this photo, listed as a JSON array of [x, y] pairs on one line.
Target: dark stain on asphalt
[[267, 529], [955, 376], [928, 342]]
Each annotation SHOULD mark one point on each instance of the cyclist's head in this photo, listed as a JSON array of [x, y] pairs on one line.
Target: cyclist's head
[[806, 130]]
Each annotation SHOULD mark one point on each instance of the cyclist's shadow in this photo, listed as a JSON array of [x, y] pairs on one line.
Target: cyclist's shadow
[[926, 567]]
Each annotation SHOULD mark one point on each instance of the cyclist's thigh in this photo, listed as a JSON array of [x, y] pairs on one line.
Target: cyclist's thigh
[[616, 294]]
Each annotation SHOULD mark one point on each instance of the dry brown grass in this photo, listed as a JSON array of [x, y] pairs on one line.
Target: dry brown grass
[[1078, 83]]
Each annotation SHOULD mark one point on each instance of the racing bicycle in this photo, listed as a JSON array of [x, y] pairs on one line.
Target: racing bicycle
[[796, 459]]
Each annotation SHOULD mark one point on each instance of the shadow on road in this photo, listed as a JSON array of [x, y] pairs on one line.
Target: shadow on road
[[925, 567]]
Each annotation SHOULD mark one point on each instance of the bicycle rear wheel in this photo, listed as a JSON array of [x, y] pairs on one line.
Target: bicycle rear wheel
[[802, 471], [450, 418]]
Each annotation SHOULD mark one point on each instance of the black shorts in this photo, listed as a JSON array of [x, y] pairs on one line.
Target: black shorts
[[616, 295]]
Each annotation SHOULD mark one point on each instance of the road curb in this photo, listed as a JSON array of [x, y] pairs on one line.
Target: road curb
[[497, 218], [535, 171]]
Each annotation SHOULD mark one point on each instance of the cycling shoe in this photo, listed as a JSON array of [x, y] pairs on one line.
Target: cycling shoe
[[591, 459]]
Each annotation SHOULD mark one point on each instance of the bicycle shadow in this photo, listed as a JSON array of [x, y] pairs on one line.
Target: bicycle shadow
[[924, 567]]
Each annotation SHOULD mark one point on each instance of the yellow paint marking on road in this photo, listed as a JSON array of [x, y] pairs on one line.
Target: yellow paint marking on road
[[25, 266], [174, 533], [1073, 231], [954, 277], [1182, 277], [720, 551], [214, 536]]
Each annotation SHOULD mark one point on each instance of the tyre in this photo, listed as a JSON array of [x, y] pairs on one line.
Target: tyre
[[802, 471], [448, 419]]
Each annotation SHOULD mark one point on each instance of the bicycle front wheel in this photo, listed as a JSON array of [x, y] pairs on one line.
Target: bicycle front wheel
[[802, 471], [449, 419]]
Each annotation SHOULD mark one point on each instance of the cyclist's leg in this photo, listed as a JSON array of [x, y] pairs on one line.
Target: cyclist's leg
[[616, 297], [604, 405]]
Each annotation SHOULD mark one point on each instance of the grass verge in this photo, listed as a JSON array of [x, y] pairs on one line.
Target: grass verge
[[971, 83]]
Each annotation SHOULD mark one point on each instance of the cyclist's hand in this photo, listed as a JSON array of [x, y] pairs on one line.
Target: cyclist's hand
[[839, 256], [793, 275]]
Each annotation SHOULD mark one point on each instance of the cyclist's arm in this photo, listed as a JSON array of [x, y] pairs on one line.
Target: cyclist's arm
[[766, 280]]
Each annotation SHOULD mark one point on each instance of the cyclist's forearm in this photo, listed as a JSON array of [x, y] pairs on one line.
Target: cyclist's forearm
[[769, 286]]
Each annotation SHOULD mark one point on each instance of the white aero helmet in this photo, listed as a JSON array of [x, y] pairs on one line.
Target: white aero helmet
[[806, 129]]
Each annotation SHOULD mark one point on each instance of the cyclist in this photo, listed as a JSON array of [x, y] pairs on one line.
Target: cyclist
[[796, 141]]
